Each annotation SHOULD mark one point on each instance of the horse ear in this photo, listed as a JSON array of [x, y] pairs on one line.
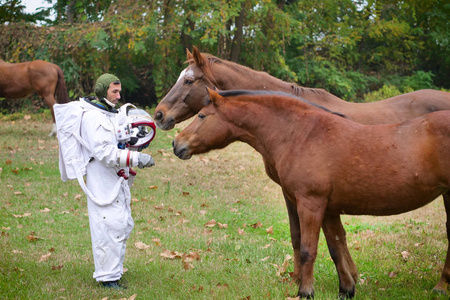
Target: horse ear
[[198, 58], [212, 95], [188, 54]]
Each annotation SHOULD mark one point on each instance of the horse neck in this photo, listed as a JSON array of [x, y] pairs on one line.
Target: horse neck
[[263, 124], [232, 76]]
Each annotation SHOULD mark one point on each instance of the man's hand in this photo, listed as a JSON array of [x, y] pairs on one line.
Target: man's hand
[[145, 160]]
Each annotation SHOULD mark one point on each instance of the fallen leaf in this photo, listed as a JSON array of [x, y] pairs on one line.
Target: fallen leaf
[[240, 231], [45, 210], [17, 193], [186, 193], [77, 196], [45, 257], [187, 265], [281, 270], [270, 230], [159, 207], [57, 267], [222, 225], [21, 216], [8, 162], [405, 255], [392, 274], [170, 254], [141, 245], [153, 187], [211, 223], [256, 225]]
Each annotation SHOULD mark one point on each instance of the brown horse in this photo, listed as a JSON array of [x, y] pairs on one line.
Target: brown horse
[[185, 99], [328, 165], [19, 80]]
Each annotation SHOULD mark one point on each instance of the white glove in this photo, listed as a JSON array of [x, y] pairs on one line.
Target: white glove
[[145, 160]]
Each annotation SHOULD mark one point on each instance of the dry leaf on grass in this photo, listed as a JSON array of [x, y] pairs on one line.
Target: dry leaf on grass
[[32, 238], [392, 274], [405, 255], [270, 230], [141, 245], [211, 223], [45, 257], [21, 216], [282, 269], [256, 225], [222, 225], [57, 267]]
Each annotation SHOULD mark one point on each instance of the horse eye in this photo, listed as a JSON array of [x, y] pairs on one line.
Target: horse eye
[[188, 81], [201, 116]]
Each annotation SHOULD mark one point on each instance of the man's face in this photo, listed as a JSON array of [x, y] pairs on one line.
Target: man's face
[[113, 93]]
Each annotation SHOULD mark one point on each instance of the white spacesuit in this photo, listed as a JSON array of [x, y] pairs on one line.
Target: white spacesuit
[[110, 224], [95, 140]]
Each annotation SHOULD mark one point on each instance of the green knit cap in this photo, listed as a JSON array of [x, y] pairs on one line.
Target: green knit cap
[[102, 84]]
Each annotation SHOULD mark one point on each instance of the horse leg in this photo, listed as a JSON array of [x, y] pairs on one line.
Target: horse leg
[[442, 285], [337, 245], [49, 100], [311, 217], [294, 225]]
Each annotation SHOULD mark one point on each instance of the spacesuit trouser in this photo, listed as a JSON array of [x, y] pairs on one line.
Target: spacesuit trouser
[[110, 227]]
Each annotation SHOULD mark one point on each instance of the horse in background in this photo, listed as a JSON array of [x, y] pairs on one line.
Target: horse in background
[[187, 96], [185, 99], [19, 80], [328, 165]]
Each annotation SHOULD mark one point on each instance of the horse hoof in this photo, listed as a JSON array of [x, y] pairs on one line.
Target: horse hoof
[[305, 295], [440, 292]]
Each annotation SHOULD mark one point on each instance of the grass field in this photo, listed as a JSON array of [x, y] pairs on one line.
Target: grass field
[[213, 227]]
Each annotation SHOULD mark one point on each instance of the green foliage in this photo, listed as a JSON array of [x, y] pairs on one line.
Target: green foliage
[[419, 80], [348, 47]]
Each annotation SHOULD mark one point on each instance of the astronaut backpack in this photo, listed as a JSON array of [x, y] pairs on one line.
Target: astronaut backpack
[[74, 152]]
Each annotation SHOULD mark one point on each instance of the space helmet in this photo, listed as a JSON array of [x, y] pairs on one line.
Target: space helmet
[[142, 129]]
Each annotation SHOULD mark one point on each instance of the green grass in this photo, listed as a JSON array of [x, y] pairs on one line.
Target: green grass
[[172, 202]]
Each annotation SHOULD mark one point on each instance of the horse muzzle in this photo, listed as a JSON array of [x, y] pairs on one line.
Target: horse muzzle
[[182, 151], [162, 122]]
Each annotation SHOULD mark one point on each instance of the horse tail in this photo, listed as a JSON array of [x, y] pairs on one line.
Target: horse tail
[[61, 89]]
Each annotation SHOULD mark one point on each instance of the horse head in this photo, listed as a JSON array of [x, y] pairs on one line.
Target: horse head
[[208, 131], [182, 101]]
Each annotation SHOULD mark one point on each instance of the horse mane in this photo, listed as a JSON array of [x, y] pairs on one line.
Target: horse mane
[[211, 59], [231, 93]]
